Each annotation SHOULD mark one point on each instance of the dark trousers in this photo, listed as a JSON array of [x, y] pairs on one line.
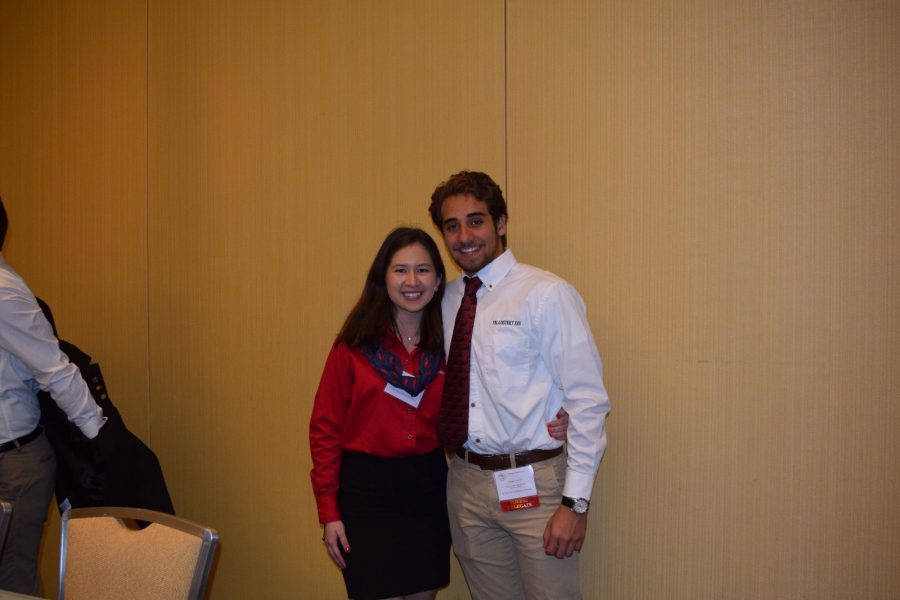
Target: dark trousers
[[27, 477]]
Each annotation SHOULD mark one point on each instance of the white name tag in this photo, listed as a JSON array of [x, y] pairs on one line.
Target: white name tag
[[404, 396], [516, 488]]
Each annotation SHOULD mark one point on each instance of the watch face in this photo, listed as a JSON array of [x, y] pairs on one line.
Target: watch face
[[579, 506]]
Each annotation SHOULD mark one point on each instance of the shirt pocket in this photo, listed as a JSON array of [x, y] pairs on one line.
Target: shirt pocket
[[511, 355]]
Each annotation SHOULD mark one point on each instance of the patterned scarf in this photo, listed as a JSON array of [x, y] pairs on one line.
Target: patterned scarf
[[390, 367]]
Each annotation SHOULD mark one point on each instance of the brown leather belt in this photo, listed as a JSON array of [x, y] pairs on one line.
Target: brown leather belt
[[19, 442], [497, 462]]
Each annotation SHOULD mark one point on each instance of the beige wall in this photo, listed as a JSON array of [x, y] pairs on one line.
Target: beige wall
[[197, 189], [720, 179]]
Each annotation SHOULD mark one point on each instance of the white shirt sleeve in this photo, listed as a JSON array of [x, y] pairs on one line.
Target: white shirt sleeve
[[26, 334], [568, 349]]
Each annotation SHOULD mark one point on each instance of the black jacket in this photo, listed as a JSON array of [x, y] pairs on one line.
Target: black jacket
[[115, 468]]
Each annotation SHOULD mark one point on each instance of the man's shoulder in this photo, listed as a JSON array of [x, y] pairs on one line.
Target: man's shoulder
[[16, 298], [541, 288], [535, 276], [11, 283], [6, 272]]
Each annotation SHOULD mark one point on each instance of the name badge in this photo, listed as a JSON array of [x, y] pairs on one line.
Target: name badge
[[516, 489], [403, 395]]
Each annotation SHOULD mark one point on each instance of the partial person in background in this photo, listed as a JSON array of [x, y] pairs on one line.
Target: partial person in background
[[379, 470], [519, 348], [30, 360]]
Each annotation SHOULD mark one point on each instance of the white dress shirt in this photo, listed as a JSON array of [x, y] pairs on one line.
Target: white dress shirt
[[532, 353], [30, 360]]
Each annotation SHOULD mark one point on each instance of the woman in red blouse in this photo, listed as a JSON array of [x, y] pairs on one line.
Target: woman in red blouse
[[379, 472]]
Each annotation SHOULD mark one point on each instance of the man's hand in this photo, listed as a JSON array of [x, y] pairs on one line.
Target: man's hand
[[335, 538], [564, 533], [559, 427]]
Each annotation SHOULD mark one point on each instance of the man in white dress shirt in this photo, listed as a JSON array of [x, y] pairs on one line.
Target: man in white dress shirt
[[30, 360], [518, 503]]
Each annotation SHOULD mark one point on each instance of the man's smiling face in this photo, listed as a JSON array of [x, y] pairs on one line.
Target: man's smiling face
[[471, 236]]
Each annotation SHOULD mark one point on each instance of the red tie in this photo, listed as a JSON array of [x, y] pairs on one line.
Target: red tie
[[453, 420]]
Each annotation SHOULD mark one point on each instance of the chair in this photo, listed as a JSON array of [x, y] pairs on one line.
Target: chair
[[105, 554]]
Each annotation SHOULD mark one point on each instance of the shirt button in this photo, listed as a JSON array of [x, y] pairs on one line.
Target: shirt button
[[472, 405], [409, 437], [477, 440]]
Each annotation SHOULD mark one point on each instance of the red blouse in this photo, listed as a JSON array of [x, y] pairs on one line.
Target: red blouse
[[353, 412]]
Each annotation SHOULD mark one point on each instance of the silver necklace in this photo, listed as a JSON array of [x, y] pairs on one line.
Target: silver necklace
[[409, 338]]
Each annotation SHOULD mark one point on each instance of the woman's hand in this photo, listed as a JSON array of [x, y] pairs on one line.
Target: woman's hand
[[335, 538], [559, 426]]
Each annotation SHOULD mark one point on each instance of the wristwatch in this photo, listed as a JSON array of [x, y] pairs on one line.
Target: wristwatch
[[579, 506]]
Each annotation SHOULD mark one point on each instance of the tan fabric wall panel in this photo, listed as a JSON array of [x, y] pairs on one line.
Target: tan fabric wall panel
[[73, 176], [73, 179], [286, 139], [719, 180]]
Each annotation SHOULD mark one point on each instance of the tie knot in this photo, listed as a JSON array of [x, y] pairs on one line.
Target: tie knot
[[472, 285]]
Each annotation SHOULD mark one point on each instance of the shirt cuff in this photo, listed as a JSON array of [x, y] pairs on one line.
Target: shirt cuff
[[578, 485], [91, 427], [328, 510]]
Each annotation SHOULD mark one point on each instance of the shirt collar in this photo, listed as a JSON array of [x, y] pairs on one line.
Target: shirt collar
[[493, 272]]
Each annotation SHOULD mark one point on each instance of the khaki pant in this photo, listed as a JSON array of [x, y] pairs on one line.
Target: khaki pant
[[502, 553]]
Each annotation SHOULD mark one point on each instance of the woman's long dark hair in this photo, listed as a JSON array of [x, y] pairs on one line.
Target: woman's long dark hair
[[373, 313]]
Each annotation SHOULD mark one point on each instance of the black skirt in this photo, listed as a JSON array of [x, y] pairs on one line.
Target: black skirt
[[395, 515]]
